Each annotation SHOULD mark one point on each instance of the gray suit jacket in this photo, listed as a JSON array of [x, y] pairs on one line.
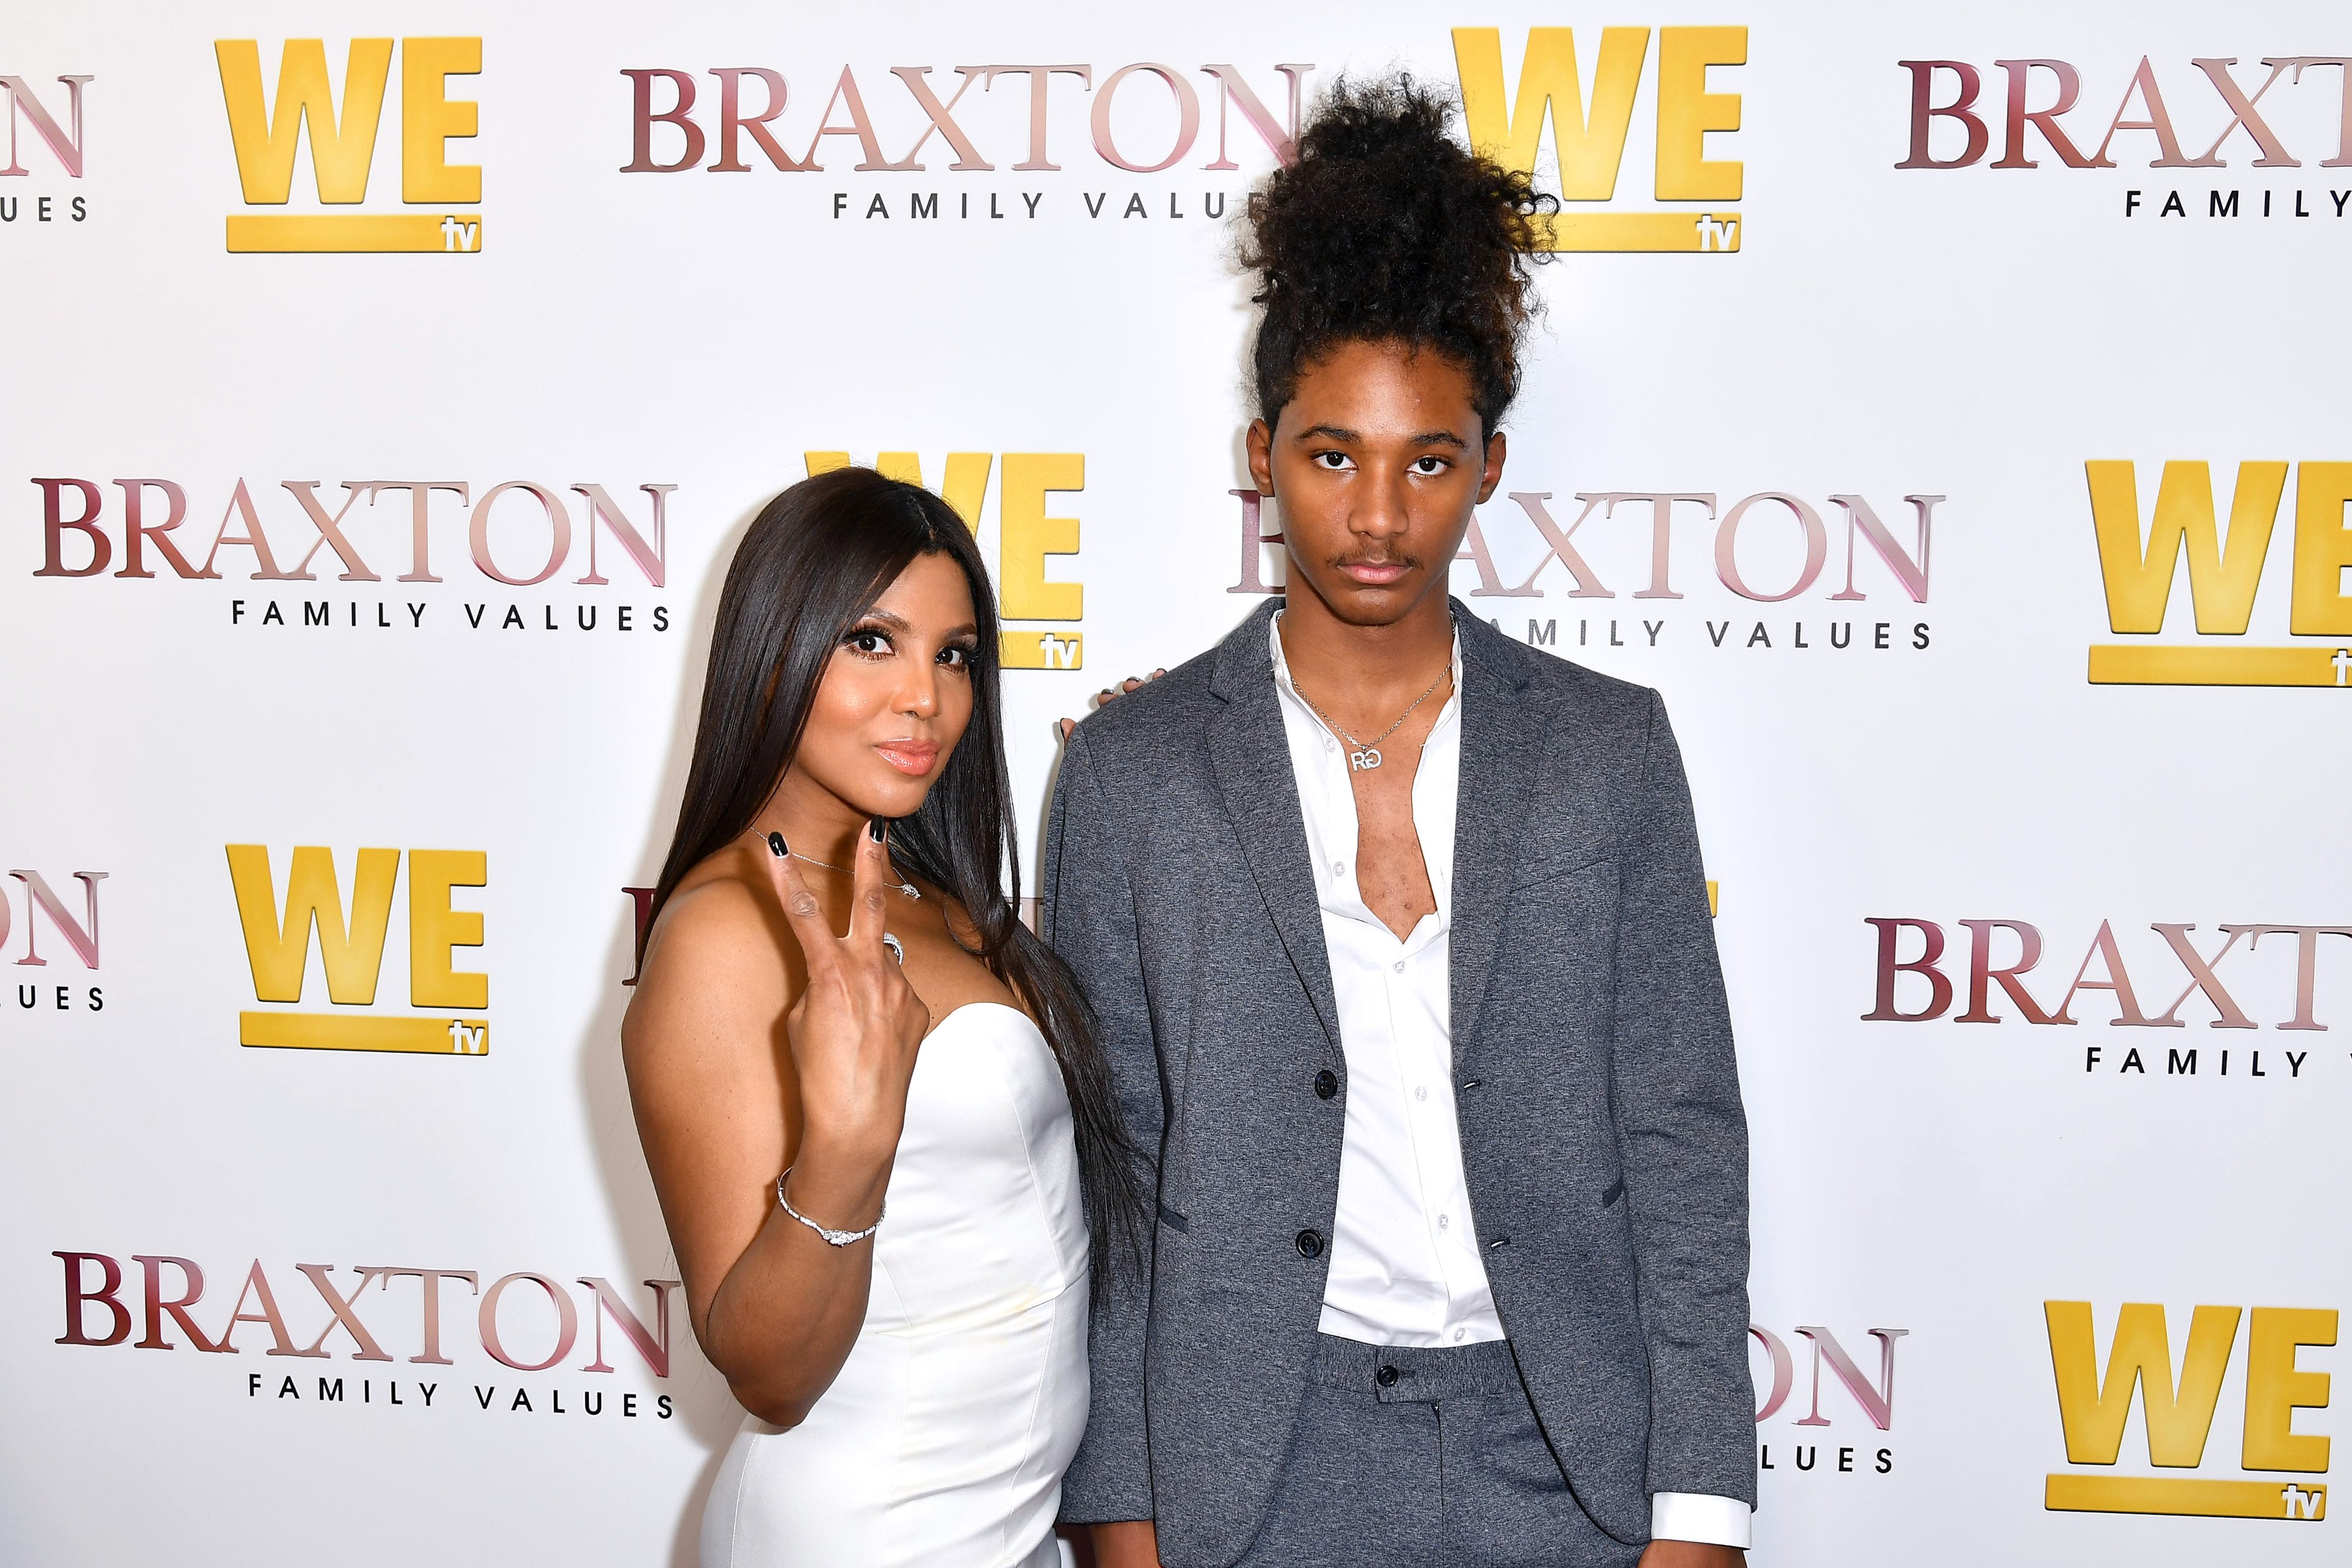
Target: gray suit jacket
[[1601, 1129]]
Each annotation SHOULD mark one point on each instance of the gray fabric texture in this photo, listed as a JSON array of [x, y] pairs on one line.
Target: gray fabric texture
[[1602, 1130], [1423, 1459]]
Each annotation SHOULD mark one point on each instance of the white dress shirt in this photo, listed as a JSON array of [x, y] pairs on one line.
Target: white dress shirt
[[1404, 1266]]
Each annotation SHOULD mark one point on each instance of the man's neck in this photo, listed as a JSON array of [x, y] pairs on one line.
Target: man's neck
[[1362, 671]]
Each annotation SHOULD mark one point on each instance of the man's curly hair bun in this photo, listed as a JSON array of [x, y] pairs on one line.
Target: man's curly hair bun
[[1386, 229]]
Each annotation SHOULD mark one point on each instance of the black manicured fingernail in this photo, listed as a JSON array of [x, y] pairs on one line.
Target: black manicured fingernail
[[874, 829], [776, 845]]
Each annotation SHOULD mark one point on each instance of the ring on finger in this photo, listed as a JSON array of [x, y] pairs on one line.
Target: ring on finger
[[898, 948]]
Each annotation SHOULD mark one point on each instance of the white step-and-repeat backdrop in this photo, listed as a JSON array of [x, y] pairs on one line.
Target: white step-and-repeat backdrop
[[387, 387]]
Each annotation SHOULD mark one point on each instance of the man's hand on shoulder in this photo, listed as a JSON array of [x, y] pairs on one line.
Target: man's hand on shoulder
[[1692, 1555], [1107, 694]]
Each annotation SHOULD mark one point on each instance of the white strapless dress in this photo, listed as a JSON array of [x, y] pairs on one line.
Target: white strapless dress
[[944, 1439]]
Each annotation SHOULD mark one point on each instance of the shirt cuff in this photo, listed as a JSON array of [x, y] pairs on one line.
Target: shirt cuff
[[1689, 1516]]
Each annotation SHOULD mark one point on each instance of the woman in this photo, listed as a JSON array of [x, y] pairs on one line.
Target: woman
[[887, 1159]]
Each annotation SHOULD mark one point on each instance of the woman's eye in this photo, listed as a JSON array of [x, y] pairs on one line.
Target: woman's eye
[[956, 658], [871, 643]]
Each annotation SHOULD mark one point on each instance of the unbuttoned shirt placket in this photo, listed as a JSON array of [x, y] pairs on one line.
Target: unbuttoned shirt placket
[[1404, 1266]]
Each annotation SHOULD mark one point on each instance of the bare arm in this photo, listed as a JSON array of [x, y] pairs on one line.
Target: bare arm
[[744, 1057], [1132, 1543], [1690, 1555]]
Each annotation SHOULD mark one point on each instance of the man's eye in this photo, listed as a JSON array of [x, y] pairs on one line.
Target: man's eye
[[1428, 464], [1332, 459]]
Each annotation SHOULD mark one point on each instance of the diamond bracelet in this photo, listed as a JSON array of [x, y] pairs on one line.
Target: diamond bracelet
[[831, 1237]]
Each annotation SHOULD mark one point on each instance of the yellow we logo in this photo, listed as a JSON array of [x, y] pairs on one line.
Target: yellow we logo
[[2179, 1415], [266, 135], [1591, 138], [1025, 537], [2225, 570], [351, 949]]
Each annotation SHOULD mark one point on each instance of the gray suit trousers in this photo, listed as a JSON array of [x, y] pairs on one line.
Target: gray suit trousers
[[1406, 1458]]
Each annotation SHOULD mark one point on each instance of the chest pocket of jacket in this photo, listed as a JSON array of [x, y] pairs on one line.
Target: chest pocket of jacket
[[1556, 959], [1577, 866]]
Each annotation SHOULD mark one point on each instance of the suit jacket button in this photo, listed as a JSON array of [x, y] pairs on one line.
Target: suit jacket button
[[1386, 1377], [1327, 1084], [1310, 1245]]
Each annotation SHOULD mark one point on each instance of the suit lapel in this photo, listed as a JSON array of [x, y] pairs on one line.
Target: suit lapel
[[1251, 754], [1504, 732]]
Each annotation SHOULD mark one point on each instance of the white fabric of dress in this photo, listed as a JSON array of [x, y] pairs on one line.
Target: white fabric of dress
[[944, 1439]]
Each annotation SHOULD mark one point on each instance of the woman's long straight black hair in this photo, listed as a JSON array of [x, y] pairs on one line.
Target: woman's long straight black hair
[[813, 563]]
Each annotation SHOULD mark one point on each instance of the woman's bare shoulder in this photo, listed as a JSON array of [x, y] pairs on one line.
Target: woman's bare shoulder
[[718, 946]]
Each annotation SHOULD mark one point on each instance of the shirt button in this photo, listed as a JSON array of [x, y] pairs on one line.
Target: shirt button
[[1309, 1244], [1327, 1084], [1421, 1093], [1339, 868], [1444, 1220], [1461, 1334], [1399, 966]]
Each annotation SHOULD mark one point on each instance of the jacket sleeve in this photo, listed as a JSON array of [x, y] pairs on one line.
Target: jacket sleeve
[[1089, 920], [1684, 1140]]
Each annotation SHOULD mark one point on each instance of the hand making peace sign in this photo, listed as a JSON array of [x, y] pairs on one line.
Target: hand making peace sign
[[855, 1027]]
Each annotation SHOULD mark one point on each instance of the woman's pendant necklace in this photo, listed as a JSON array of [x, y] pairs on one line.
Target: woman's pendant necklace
[[1363, 756], [908, 888]]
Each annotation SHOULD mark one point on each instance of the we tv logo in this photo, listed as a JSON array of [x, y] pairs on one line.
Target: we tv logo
[[2178, 1416], [2138, 565], [1025, 538], [267, 134], [352, 951], [1592, 139]]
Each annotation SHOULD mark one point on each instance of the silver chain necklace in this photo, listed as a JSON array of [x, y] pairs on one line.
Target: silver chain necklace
[[908, 888], [1363, 756]]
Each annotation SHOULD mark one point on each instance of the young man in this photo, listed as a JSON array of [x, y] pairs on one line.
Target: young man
[[1398, 941]]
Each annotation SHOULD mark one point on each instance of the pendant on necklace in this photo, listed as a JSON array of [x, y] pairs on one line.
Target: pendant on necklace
[[1365, 760]]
